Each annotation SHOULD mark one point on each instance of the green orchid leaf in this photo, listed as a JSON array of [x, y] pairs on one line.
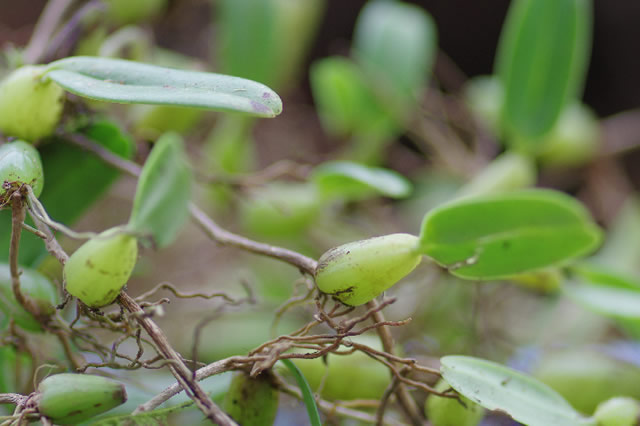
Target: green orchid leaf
[[503, 235], [161, 204], [120, 81], [395, 42], [307, 394], [355, 181], [496, 387], [542, 62]]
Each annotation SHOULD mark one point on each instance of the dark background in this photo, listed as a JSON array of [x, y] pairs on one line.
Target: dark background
[[468, 33]]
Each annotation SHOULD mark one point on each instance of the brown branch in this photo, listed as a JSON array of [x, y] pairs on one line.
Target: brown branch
[[404, 397], [178, 368], [210, 228]]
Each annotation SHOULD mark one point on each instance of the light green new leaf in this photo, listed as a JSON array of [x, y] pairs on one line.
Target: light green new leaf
[[607, 293], [504, 235], [161, 204], [496, 387], [117, 80], [542, 62], [356, 181], [396, 43]]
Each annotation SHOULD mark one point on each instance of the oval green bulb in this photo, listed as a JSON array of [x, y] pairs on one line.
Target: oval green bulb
[[73, 398], [98, 270], [30, 105], [20, 164], [618, 411], [357, 272], [251, 401], [450, 412]]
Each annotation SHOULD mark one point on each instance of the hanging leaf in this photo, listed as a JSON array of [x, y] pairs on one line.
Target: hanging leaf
[[503, 235], [542, 61], [496, 387], [354, 181], [161, 204], [117, 80]]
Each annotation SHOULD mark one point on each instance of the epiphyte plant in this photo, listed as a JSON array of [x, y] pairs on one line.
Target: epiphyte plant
[[479, 229]]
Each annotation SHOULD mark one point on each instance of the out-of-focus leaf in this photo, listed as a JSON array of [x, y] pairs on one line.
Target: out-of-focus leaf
[[75, 180], [496, 387], [508, 172], [542, 61], [355, 181], [117, 80], [504, 235], [161, 204], [396, 44], [345, 102]]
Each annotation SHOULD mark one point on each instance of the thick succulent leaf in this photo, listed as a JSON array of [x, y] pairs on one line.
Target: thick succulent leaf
[[496, 387], [117, 80], [356, 181], [161, 204], [73, 175], [504, 235], [542, 61]]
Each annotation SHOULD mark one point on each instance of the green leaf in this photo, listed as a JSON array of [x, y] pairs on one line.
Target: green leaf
[[355, 181], [607, 293], [503, 235], [117, 80], [307, 394], [161, 204], [542, 61], [345, 103], [496, 387], [75, 181], [396, 44]]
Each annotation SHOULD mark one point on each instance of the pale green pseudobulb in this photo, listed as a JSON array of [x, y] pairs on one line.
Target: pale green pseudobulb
[[618, 411], [30, 105], [357, 272], [450, 412], [73, 398], [251, 402], [98, 270], [20, 164]]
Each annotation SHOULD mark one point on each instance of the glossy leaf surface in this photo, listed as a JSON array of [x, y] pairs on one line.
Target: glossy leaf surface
[[496, 387], [120, 81], [504, 235], [161, 204]]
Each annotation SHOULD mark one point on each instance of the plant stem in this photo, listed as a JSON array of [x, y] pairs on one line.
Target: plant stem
[[177, 367], [45, 27], [404, 397], [211, 228]]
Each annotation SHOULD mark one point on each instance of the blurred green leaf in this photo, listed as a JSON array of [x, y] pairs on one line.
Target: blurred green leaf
[[396, 44], [353, 181], [307, 394], [161, 204], [496, 387], [605, 292], [345, 102], [542, 61], [75, 180], [116, 80], [504, 235]]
